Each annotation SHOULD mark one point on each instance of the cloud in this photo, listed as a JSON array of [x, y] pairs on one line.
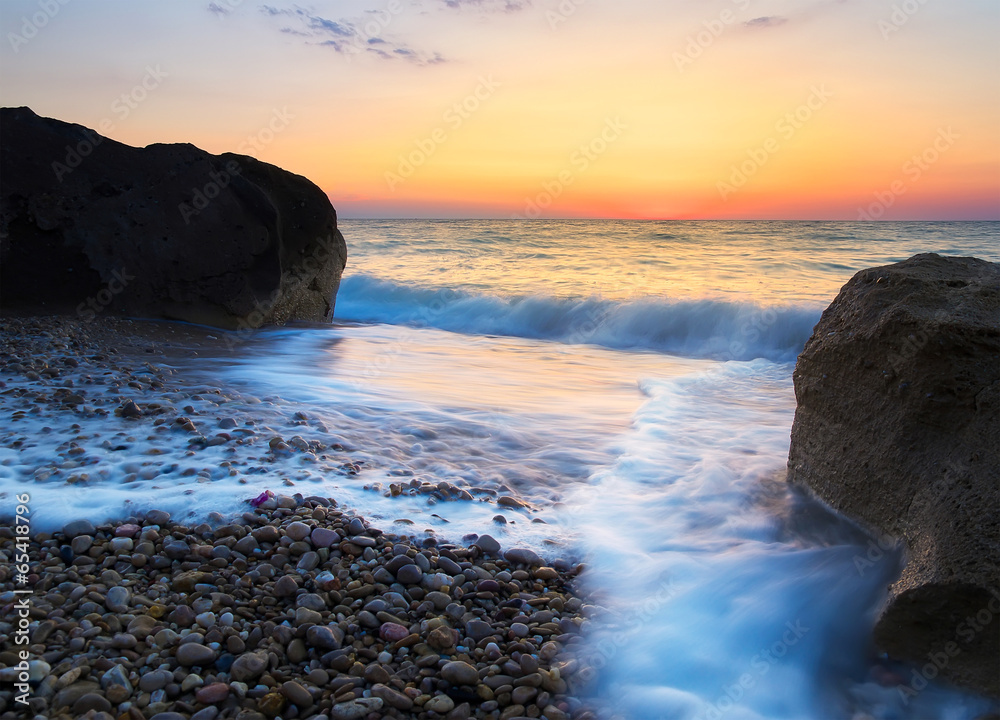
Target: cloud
[[766, 21], [344, 36], [217, 9], [489, 5]]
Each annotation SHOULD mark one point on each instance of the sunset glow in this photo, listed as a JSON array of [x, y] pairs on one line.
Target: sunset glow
[[507, 108]]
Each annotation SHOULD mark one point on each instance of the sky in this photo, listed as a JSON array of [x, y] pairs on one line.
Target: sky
[[686, 109]]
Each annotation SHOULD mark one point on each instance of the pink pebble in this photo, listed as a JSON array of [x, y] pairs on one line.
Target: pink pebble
[[211, 694], [393, 632], [127, 530]]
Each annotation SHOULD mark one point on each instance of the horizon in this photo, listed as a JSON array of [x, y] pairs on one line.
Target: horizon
[[756, 110]]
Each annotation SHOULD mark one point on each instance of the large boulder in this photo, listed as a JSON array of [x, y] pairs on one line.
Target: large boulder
[[89, 225], [898, 426]]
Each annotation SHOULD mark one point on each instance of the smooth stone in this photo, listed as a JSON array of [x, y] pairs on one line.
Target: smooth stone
[[157, 517], [211, 694], [117, 599], [523, 695], [440, 704], [324, 537], [117, 675], [248, 666], [121, 545], [192, 653], [208, 713], [156, 680], [297, 531], [323, 637], [79, 527], [285, 586], [305, 616], [311, 601], [183, 616], [460, 673], [356, 526], [410, 575], [377, 675], [91, 701], [393, 632], [392, 697], [355, 709], [478, 629], [449, 566], [296, 694], [520, 629], [523, 556], [81, 544], [487, 544]]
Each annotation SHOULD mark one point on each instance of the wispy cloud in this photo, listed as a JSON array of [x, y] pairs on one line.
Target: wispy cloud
[[766, 21], [217, 9], [489, 5], [345, 36]]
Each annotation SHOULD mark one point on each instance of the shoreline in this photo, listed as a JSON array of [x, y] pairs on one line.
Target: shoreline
[[347, 621]]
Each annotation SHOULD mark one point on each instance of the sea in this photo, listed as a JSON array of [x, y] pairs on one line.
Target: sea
[[629, 384]]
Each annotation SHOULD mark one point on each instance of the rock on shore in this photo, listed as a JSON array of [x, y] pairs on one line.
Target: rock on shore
[[90, 225], [898, 425]]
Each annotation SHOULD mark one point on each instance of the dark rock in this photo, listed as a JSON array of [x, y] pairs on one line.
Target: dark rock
[[91, 225], [898, 425], [522, 555], [79, 527]]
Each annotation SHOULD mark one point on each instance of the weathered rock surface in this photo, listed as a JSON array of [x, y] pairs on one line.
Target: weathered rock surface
[[898, 425], [90, 225]]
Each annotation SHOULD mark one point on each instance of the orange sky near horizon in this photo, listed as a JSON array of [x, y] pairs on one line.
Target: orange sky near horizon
[[829, 109]]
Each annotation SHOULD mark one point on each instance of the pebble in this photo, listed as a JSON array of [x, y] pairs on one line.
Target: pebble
[[297, 531], [79, 527], [211, 694], [487, 544], [391, 697], [523, 556], [191, 653], [460, 673], [248, 666], [440, 704], [297, 694], [275, 627], [355, 709], [410, 575]]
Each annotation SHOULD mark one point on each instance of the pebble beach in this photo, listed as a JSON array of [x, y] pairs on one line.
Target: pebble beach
[[291, 607]]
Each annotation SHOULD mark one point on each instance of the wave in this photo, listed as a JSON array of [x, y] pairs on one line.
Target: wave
[[717, 329]]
